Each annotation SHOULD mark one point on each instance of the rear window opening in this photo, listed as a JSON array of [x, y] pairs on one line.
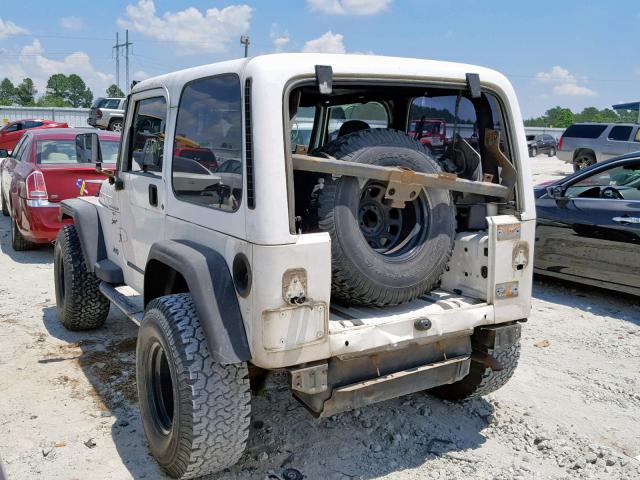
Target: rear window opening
[[434, 116], [584, 131]]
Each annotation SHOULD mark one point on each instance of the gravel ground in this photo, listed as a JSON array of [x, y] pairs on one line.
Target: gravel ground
[[571, 410]]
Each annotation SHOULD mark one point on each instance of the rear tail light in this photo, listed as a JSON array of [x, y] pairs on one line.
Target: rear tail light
[[36, 188], [98, 113], [560, 143]]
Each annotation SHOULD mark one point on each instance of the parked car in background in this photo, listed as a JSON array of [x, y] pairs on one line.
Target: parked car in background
[[12, 132], [588, 227], [431, 132], [46, 167], [107, 113], [584, 144], [543, 143]]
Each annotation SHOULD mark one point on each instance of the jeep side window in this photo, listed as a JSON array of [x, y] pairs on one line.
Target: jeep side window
[[207, 149], [146, 144]]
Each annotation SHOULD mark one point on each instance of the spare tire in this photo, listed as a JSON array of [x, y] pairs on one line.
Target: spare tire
[[382, 255]]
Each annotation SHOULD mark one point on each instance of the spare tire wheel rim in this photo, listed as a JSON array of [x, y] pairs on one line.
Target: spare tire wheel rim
[[392, 232], [161, 388]]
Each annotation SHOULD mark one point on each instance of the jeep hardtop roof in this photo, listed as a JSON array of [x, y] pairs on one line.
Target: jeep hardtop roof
[[282, 67]]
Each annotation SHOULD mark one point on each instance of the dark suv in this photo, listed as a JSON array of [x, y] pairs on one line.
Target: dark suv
[[543, 143]]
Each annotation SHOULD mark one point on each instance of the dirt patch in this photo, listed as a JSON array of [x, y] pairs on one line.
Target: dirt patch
[[112, 373]]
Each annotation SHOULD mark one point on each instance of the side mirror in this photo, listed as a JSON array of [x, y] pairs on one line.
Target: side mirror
[[555, 191], [88, 148], [4, 153]]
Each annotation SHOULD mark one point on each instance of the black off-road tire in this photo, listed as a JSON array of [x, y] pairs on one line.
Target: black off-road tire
[[361, 275], [195, 411], [116, 125], [482, 380], [80, 304], [18, 242], [5, 207]]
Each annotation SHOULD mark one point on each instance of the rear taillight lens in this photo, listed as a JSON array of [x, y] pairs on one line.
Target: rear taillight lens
[[560, 143], [36, 188], [98, 113]]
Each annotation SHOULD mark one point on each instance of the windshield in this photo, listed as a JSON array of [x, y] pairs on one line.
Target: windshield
[[51, 152]]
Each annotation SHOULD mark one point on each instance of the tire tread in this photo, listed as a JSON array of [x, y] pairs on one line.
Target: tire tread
[[216, 411], [85, 308], [482, 380]]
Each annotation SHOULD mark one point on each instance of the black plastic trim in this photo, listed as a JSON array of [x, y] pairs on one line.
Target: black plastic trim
[[242, 277], [87, 223], [109, 272], [248, 150], [135, 267], [212, 289]]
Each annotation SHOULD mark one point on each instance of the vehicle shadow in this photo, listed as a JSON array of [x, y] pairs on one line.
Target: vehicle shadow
[[597, 301], [106, 357], [40, 255], [366, 443]]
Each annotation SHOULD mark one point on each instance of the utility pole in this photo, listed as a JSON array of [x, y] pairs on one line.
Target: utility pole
[[117, 48], [126, 50]]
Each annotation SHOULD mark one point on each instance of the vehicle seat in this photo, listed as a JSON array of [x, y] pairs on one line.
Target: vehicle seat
[[351, 126], [55, 157]]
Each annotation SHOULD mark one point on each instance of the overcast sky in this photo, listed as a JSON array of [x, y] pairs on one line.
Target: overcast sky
[[573, 53]]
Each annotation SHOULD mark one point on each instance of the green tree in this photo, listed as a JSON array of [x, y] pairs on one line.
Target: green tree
[[25, 93], [78, 94], [57, 85], [115, 92], [559, 117], [607, 115], [562, 117], [536, 122], [7, 92], [52, 101], [588, 114], [71, 89]]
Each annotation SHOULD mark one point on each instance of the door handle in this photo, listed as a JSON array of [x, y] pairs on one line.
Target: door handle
[[153, 195], [626, 220]]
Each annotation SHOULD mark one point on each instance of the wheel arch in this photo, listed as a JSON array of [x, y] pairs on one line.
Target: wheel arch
[[87, 223], [180, 266], [115, 119], [579, 151]]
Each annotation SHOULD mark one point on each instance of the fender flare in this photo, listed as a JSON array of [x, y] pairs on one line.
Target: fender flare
[[211, 286], [87, 222]]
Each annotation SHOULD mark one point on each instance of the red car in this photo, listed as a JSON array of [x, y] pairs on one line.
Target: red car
[[43, 170], [12, 132], [433, 132]]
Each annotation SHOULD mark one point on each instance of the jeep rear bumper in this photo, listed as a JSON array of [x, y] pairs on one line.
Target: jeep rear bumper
[[342, 384], [396, 384]]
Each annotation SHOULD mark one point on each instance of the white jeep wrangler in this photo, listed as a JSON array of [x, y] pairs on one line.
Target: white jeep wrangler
[[281, 213]]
